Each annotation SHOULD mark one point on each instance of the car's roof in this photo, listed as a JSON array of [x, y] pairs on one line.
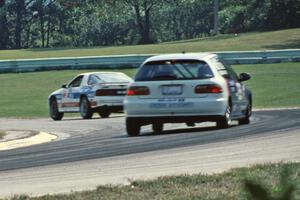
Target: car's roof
[[182, 56], [89, 73]]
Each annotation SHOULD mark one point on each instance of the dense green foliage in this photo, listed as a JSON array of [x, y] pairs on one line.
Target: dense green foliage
[[61, 23], [268, 40], [245, 15]]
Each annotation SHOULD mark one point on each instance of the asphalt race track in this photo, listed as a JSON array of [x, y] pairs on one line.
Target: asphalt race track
[[101, 148]]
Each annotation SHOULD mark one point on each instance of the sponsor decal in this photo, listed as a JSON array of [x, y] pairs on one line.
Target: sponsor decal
[[58, 96]]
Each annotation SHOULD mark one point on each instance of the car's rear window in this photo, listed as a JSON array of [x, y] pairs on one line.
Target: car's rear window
[[113, 77], [174, 70]]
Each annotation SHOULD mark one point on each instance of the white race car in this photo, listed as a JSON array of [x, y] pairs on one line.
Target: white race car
[[186, 88], [101, 92]]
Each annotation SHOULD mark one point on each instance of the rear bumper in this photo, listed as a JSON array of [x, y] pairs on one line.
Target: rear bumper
[[111, 108], [191, 107], [175, 119], [107, 101]]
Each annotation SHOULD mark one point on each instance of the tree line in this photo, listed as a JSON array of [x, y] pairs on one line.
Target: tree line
[[86, 23]]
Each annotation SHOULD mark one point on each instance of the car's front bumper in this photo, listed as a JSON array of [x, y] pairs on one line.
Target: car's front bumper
[[175, 119]]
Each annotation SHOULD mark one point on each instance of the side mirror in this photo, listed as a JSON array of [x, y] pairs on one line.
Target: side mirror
[[244, 77], [64, 86]]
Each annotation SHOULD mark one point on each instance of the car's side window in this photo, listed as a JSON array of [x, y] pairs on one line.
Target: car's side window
[[93, 80], [221, 69], [225, 70], [76, 82], [231, 72]]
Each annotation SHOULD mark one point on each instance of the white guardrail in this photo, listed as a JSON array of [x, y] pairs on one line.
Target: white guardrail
[[133, 61]]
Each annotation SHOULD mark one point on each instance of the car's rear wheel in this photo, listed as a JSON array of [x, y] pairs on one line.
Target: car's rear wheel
[[85, 108], [246, 119], [225, 121], [157, 127], [133, 127], [104, 113], [54, 112]]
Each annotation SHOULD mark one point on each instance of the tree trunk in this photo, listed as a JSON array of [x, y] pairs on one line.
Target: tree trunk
[[143, 22], [48, 32], [146, 35], [20, 8], [139, 19], [42, 29], [18, 33], [4, 36], [28, 36]]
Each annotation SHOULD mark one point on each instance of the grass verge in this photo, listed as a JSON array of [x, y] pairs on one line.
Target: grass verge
[[2, 134], [283, 39], [225, 186], [25, 95], [274, 85]]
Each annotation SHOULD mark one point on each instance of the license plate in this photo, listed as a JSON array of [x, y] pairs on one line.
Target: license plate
[[172, 90], [172, 105]]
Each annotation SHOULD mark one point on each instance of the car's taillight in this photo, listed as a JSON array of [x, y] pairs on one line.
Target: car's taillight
[[104, 92], [209, 88], [111, 92], [138, 90]]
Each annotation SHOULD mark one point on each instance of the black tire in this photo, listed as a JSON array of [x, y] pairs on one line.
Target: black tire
[[54, 113], [157, 127], [225, 121], [104, 113], [246, 119], [133, 127], [86, 111]]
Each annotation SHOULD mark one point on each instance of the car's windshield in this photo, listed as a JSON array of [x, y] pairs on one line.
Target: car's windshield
[[174, 70], [113, 77]]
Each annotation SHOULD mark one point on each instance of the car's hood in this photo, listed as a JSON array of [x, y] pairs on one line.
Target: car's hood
[[59, 91]]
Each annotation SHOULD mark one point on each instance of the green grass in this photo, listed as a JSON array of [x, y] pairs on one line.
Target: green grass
[[2, 134], [25, 95], [274, 85], [224, 186], [282, 39]]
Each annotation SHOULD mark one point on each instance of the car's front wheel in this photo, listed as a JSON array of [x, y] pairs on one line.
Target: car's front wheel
[[85, 108], [133, 127], [225, 121], [54, 112]]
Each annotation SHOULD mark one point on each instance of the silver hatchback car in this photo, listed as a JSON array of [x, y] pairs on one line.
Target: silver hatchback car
[[186, 88]]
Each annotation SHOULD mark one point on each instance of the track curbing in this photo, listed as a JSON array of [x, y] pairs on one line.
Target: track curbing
[[39, 138]]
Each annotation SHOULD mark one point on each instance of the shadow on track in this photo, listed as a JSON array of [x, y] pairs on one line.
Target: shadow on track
[[94, 118], [184, 130]]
